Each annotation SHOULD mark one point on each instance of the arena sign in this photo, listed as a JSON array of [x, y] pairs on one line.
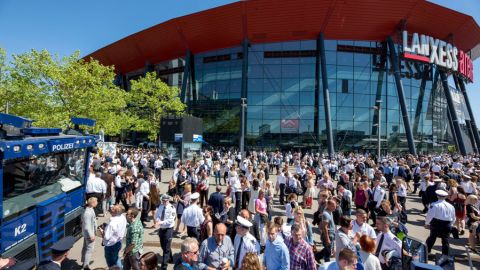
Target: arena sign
[[435, 51]]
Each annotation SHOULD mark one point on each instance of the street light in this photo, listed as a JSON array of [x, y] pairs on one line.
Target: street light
[[378, 124]]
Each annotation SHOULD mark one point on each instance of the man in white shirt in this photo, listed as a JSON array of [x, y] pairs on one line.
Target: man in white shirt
[[386, 240], [193, 217], [113, 235], [440, 219], [165, 219], [378, 195], [360, 224], [143, 197], [158, 164], [97, 188]]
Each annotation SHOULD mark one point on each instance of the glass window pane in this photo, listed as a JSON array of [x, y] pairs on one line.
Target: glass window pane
[[271, 112], [363, 114], [307, 98], [331, 45], [272, 71], [271, 98], [307, 112], [345, 58], [254, 112], [344, 99], [255, 71], [331, 58], [344, 72], [361, 87], [307, 71], [290, 112], [255, 85], [290, 85], [272, 84], [290, 71], [255, 98], [290, 98], [344, 113], [307, 84]]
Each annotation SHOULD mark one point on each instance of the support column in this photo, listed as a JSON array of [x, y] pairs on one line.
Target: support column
[[378, 95], [243, 96], [186, 75], [326, 93], [451, 108], [401, 96], [472, 118], [421, 95], [452, 128]]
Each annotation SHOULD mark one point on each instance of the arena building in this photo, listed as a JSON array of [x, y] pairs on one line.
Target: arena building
[[316, 74]]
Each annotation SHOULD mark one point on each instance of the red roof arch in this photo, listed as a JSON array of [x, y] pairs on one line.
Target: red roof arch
[[263, 21]]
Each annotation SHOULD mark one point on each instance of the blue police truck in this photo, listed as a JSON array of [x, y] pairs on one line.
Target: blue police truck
[[43, 173]]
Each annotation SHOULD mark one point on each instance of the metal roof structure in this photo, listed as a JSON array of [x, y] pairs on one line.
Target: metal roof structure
[[263, 21]]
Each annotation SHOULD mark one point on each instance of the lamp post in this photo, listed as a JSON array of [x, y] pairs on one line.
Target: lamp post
[[378, 124], [242, 135]]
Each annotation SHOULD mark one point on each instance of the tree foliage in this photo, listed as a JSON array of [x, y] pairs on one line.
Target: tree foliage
[[150, 99], [50, 91]]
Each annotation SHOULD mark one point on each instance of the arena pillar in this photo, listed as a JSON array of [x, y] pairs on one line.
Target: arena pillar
[[186, 76], [451, 109], [326, 92], [421, 96], [472, 118], [243, 95], [401, 96], [378, 94]]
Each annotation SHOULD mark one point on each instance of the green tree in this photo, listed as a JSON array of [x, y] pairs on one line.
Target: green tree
[[150, 99], [51, 90]]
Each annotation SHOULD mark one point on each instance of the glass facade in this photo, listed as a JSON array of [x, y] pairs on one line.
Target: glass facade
[[282, 91]]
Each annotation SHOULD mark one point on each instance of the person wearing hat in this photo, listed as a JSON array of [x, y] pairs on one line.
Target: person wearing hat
[[431, 190], [165, 220], [244, 241], [59, 253], [193, 217], [440, 218]]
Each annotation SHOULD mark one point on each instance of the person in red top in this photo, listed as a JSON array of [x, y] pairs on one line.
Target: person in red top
[[301, 253]]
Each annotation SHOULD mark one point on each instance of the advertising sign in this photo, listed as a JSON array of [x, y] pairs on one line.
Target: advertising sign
[[197, 138], [178, 137], [289, 125], [431, 50]]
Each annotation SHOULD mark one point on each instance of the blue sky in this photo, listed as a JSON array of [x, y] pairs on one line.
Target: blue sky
[[63, 27]]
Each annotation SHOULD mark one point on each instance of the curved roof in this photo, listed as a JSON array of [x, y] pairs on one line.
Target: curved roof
[[264, 21]]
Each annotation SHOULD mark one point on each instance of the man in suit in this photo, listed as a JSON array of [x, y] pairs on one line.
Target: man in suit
[[89, 225], [59, 253], [216, 201]]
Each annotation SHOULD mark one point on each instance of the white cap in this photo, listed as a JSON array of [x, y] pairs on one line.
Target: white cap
[[243, 222], [441, 193], [195, 196], [466, 176], [437, 180]]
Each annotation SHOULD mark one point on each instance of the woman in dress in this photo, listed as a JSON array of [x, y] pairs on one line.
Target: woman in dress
[[473, 219], [154, 200], [261, 216], [254, 191], [206, 228], [361, 196], [269, 193], [245, 192], [228, 216], [310, 193], [182, 203], [460, 210]]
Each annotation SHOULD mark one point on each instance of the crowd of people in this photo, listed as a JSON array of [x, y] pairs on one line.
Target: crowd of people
[[255, 219]]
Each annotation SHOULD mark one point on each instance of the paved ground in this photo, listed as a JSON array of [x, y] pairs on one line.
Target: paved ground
[[416, 221]]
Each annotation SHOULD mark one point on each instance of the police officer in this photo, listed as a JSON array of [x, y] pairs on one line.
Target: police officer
[[244, 241], [165, 219], [59, 253], [193, 217], [440, 218]]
